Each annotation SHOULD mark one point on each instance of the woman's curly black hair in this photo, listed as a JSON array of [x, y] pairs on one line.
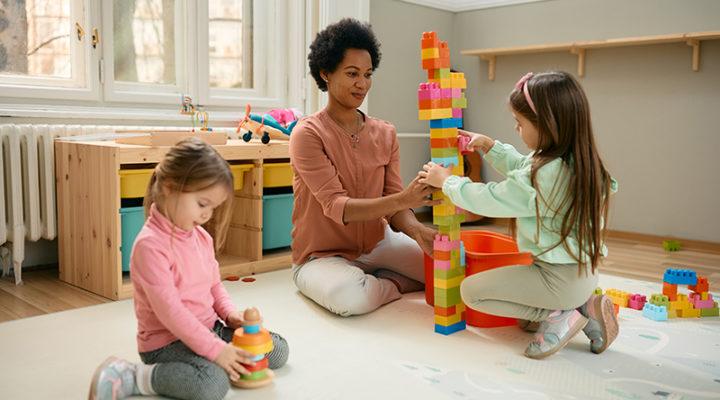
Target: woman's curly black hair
[[328, 48]]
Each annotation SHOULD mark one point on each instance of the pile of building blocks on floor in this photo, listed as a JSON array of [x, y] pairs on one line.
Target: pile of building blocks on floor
[[670, 304], [441, 100], [698, 303]]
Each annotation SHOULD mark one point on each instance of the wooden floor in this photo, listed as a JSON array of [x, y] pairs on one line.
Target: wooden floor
[[43, 293]]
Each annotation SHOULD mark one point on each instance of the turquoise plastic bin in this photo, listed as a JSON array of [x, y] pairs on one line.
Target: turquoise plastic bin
[[132, 220], [277, 220]]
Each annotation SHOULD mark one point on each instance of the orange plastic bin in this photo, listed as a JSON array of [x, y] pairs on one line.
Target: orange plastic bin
[[484, 250]]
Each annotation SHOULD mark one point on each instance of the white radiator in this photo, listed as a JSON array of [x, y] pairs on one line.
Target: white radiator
[[27, 184]]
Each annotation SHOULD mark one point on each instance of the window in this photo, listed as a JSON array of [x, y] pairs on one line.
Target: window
[[42, 45], [133, 52]]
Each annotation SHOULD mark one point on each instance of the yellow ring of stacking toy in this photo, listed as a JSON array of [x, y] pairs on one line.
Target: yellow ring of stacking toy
[[255, 343]]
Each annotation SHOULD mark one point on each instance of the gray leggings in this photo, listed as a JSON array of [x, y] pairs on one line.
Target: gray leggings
[[528, 292], [182, 374]]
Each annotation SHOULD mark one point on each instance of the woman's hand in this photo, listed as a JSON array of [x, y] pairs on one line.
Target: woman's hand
[[417, 194], [234, 320], [231, 359], [434, 175], [424, 236], [478, 141]]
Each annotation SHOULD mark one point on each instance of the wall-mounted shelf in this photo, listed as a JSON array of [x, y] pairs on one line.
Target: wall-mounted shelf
[[579, 48]]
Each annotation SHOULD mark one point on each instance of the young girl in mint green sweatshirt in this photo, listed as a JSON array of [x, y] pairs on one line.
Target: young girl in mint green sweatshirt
[[558, 196]]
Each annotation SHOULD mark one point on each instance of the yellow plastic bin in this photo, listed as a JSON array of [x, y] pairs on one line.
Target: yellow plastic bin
[[277, 175], [238, 171], [134, 182]]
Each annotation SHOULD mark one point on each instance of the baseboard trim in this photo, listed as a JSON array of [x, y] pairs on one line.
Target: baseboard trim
[[685, 244]]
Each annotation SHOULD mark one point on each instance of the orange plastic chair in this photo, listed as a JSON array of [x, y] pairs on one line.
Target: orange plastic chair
[[484, 250]]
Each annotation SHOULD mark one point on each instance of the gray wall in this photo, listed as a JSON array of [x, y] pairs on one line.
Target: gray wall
[[654, 118], [393, 97]]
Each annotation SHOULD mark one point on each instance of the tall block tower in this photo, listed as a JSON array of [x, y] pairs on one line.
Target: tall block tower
[[441, 100]]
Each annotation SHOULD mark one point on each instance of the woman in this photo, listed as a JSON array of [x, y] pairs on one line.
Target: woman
[[356, 242]]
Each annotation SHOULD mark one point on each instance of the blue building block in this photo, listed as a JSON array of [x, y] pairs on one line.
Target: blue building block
[[680, 276], [446, 161], [447, 330], [446, 123], [462, 254], [656, 313]]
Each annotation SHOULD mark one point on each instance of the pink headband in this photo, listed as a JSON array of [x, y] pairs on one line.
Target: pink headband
[[522, 85]]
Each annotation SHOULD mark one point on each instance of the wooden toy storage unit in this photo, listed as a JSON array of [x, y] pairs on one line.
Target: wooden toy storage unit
[[88, 176]]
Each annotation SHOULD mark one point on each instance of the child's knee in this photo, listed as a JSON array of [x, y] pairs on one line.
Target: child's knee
[[350, 299], [214, 384], [280, 353]]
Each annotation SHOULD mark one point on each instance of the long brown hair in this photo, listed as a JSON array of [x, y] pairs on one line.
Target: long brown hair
[[190, 166], [565, 131]]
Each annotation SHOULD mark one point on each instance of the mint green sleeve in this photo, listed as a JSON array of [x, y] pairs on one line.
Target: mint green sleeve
[[504, 157], [513, 197]]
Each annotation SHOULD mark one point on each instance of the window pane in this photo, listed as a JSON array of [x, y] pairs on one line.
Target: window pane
[[144, 41], [35, 38], [230, 43]]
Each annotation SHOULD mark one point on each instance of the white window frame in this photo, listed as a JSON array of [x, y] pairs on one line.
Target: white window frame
[[279, 71], [269, 65], [83, 85], [138, 92]]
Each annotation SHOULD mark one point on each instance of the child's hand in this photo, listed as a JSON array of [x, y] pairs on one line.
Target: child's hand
[[478, 141], [234, 320], [231, 359], [434, 174]]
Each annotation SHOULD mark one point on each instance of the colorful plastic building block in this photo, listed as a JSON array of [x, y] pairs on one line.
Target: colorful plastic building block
[[659, 300], [680, 276], [656, 313], [701, 300], [701, 286], [447, 330], [618, 297], [671, 245], [637, 301], [710, 312], [670, 290]]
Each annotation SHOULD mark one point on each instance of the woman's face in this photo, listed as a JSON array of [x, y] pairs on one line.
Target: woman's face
[[351, 80]]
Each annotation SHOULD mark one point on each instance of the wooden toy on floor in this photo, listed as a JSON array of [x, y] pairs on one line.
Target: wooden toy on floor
[[253, 338]]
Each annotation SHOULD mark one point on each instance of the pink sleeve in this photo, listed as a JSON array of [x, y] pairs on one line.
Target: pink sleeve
[[223, 305], [312, 165], [154, 275]]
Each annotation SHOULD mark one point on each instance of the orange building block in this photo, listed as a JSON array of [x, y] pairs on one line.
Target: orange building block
[[434, 103], [670, 290], [445, 311], [428, 40], [443, 143], [701, 286]]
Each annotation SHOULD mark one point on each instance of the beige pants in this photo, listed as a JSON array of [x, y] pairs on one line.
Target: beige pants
[[347, 288], [528, 292]]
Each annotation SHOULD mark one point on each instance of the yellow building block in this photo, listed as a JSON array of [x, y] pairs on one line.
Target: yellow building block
[[432, 52], [448, 283], [443, 82], [441, 133], [435, 113], [449, 320], [457, 80]]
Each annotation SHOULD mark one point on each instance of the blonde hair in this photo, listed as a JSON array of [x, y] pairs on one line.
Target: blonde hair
[[190, 166]]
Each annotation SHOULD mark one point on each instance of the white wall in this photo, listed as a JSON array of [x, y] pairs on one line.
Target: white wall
[[654, 118]]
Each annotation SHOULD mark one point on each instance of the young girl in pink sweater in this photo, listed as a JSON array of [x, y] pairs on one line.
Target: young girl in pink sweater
[[185, 317]]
